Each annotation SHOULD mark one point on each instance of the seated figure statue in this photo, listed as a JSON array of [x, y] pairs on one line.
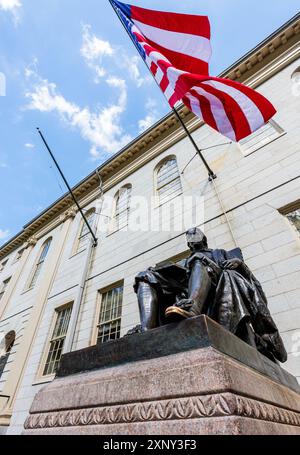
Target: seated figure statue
[[216, 283]]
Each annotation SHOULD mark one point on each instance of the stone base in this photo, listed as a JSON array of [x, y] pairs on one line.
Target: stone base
[[202, 391]]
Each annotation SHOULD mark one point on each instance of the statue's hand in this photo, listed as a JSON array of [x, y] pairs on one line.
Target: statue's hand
[[185, 304], [232, 264]]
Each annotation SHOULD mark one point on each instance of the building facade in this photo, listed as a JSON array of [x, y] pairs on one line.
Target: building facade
[[59, 292]]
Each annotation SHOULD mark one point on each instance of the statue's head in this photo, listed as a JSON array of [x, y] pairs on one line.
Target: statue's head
[[196, 239]]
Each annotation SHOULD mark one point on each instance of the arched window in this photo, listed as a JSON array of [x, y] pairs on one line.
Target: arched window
[[122, 201], [84, 234], [168, 181], [3, 287], [5, 349], [296, 75], [39, 264]]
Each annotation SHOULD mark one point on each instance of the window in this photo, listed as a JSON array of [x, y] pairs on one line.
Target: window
[[38, 266], [122, 199], [168, 182], [294, 218], [57, 340], [5, 350], [296, 76], [19, 255], [3, 265], [179, 259], [292, 213], [3, 287], [296, 82], [84, 235], [261, 137], [109, 326]]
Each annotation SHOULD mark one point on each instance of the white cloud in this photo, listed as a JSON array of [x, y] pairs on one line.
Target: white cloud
[[29, 145], [151, 117], [101, 128], [93, 50], [4, 234], [12, 6], [9, 5], [133, 66]]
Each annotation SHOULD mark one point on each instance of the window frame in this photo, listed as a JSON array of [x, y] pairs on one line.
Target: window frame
[[116, 227], [9, 341], [281, 132], [175, 259], [41, 377], [82, 228], [19, 255], [288, 210], [3, 287], [296, 75], [38, 265], [157, 188], [98, 323], [3, 264]]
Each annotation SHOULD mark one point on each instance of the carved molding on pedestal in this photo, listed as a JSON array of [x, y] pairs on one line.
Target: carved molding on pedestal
[[207, 406]]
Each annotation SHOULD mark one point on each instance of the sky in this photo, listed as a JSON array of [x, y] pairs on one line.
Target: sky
[[70, 69]]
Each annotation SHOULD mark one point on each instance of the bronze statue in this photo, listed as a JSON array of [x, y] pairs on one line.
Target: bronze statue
[[216, 283]]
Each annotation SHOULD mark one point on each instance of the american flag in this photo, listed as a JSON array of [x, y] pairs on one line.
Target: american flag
[[177, 50]]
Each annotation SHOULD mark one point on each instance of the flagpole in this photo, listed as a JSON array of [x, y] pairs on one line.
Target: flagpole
[[69, 188], [212, 175]]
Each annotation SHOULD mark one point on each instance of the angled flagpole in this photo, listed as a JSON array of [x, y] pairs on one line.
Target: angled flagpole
[[212, 175], [69, 188]]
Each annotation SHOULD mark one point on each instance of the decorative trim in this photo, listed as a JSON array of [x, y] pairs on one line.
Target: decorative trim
[[70, 213], [290, 208], [207, 406], [32, 241]]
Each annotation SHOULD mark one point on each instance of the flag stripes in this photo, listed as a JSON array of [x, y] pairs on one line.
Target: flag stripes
[[173, 22], [177, 50]]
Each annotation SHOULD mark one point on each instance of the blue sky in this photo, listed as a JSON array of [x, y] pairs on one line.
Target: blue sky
[[71, 70]]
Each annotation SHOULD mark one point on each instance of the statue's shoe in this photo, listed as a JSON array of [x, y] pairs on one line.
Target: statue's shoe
[[176, 314]]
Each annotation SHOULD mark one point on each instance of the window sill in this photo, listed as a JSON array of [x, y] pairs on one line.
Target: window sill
[[116, 231], [262, 146], [168, 201], [77, 254], [28, 290], [44, 380]]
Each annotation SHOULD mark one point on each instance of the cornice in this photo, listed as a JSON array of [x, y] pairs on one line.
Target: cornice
[[261, 63]]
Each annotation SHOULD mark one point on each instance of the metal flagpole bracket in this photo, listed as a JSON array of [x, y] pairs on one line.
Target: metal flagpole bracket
[[211, 174], [95, 240]]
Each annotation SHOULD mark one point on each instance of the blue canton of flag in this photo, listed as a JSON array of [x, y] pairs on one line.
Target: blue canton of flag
[[124, 13]]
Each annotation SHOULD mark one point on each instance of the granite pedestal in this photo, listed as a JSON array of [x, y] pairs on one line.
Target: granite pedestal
[[191, 378]]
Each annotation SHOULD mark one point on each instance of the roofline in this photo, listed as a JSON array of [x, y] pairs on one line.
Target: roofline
[[261, 44]]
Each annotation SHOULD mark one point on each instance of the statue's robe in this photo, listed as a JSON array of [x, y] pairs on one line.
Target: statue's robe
[[236, 297]]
